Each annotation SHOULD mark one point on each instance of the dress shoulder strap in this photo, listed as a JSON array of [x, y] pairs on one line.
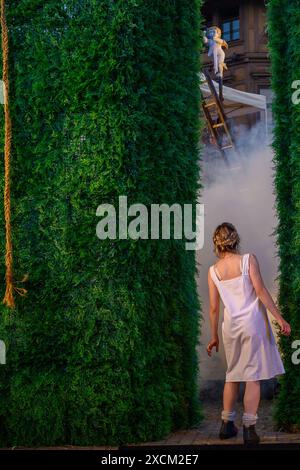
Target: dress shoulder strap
[[246, 264], [213, 274]]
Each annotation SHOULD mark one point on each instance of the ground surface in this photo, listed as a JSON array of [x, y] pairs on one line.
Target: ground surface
[[207, 432]]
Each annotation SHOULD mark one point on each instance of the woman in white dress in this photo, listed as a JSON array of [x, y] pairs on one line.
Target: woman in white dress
[[250, 347]]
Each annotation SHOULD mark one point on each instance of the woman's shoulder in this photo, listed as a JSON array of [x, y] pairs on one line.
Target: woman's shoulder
[[252, 257], [252, 262], [211, 271], [210, 268]]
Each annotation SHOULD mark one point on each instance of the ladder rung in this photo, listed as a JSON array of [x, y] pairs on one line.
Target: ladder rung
[[218, 125], [208, 105]]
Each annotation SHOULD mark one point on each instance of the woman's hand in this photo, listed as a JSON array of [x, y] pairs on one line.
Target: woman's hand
[[284, 327], [214, 343]]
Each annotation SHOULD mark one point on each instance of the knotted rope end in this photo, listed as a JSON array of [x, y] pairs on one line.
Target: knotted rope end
[[8, 299]]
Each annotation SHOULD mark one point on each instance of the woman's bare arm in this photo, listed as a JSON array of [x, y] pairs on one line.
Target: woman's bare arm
[[214, 309], [264, 295]]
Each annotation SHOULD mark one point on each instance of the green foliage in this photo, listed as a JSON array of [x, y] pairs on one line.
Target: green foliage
[[284, 36], [105, 102]]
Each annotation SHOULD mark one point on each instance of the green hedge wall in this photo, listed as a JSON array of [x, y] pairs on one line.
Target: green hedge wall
[[105, 102], [284, 40]]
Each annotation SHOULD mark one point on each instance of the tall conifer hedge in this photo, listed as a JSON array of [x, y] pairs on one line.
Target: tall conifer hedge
[[105, 102], [284, 40]]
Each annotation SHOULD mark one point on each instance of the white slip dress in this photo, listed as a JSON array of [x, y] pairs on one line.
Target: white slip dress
[[250, 347]]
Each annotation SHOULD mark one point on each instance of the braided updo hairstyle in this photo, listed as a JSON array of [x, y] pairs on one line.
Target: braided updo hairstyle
[[226, 239]]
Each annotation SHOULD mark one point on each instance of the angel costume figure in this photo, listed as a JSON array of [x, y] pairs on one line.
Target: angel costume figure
[[212, 37]]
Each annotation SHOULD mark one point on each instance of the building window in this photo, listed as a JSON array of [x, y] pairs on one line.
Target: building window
[[231, 29]]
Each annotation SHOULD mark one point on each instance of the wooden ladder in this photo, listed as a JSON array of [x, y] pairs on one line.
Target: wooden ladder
[[215, 117]]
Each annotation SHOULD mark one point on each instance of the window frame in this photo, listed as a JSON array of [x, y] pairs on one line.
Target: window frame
[[231, 30]]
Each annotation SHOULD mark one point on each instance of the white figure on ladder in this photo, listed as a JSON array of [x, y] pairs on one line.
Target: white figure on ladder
[[212, 37]]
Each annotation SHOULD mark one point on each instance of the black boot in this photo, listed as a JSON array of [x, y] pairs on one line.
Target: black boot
[[251, 439], [228, 430]]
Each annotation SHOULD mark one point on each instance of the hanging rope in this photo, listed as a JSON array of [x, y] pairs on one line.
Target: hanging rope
[[8, 298]]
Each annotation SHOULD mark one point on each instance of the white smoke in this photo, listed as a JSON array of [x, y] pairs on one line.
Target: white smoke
[[241, 193]]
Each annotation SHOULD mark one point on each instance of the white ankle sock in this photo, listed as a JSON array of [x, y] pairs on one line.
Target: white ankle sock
[[249, 419], [228, 415]]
